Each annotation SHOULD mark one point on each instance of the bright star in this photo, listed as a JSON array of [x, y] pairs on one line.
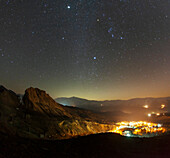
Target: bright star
[[68, 7]]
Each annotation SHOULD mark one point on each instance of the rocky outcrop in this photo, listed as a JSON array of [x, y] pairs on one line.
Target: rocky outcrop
[[39, 116], [39, 101], [9, 103], [36, 100], [8, 97]]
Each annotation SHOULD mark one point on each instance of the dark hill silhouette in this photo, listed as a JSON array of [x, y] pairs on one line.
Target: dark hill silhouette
[[92, 146], [8, 97]]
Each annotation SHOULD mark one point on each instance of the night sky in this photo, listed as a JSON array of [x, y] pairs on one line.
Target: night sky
[[94, 49]]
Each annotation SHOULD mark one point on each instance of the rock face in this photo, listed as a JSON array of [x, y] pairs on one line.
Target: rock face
[[9, 102], [8, 97], [53, 120], [39, 116], [37, 100]]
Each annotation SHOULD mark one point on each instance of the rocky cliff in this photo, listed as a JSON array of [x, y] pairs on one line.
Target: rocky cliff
[[8, 97], [36, 100], [38, 115], [9, 103]]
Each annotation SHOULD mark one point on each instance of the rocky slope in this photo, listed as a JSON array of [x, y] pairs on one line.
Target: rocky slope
[[9, 103], [38, 115], [36, 100], [8, 97]]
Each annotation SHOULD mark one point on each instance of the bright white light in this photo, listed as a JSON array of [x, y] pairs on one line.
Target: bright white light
[[94, 58], [158, 114], [128, 135], [159, 125], [149, 115], [162, 106], [146, 106], [68, 7]]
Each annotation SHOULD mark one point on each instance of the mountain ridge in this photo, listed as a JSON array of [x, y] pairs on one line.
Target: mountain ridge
[[134, 107], [74, 97]]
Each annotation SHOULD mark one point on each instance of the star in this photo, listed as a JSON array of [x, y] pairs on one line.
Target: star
[[110, 29], [73, 38]]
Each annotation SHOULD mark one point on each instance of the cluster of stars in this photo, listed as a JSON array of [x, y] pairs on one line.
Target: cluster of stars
[[87, 41]]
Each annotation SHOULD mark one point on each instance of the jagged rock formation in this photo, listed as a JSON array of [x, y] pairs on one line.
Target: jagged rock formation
[[9, 103], [54, 120], [8, 97], [41, 116], [37, 100]]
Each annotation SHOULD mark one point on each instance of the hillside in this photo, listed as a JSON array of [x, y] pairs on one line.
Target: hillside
[[38, 115], [120, 109]]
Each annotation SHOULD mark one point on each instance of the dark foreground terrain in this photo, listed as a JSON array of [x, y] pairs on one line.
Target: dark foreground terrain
[[99, 145]]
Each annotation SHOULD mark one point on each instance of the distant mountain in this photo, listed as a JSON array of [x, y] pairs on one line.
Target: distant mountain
[[81, 103], [133, 108], [38, 115]]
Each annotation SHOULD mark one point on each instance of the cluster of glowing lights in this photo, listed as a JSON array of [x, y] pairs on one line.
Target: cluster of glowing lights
[[139, 128], [157, 114], [150, 114], [147, 106]]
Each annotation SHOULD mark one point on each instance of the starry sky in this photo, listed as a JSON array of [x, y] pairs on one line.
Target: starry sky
[[94, 49]]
